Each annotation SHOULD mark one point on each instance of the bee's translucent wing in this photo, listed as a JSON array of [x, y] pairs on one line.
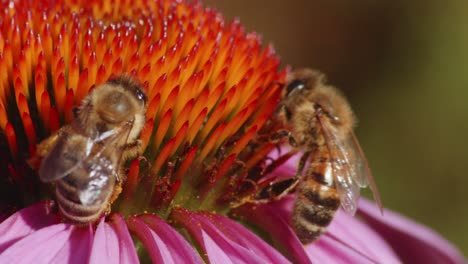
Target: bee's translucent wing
[[364, 175], [103, 165], [343, 166], [101, 174], [351, 171], [65, 156]]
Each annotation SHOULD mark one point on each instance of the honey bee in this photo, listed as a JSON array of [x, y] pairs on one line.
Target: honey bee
[[84, 159], [319, 122]]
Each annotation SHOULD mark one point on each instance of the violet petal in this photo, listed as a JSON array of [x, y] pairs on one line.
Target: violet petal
[[77, 248], [349, 239], [106, 245], [413, 242], [41, 246], [25, 222], [218, 247], [127, 248], [158, 236], [274, 219], [244, 237]]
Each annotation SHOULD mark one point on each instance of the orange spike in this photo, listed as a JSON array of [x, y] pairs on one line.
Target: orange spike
[[182, 117], [231, 97], [158, 86], [93, 68], [170, 100], [60, 92], [207, 73], [162, 156], [11, 138], [235, 123], [215, 96], [186, 162], [23, 72], [47, 43], [133, 178], [101, 45], [153, 107], [179, 137], [69, 105], [146, 133], [3, 116], [213, 119], [117, 67], [101, 76], [160, 47], [133, 63], [108, 57], [22, 103], [211, 142], [199, 104], [189, 90], [74, 74], [83, 86], [164, 124], [145, 72], [196, 124], [244, 140], [29, 128]]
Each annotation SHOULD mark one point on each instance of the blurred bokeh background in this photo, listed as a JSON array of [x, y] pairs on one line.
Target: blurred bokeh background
[[404, 67]]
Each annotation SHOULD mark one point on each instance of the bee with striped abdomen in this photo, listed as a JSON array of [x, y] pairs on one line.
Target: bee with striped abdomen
[[84, 159], [319, 123]]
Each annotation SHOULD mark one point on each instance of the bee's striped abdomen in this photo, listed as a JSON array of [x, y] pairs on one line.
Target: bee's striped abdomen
[[316, 203], [68, 191]]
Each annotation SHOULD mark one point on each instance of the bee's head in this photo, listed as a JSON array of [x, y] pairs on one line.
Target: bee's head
[[119, 100]]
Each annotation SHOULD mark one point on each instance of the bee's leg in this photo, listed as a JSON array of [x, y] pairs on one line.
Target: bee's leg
[[117, 190], [132, 150], [277, 190], [302, 162], [280, 134]]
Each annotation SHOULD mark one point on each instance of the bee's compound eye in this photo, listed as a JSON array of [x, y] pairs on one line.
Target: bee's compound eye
[[140, 95], [295, 85]]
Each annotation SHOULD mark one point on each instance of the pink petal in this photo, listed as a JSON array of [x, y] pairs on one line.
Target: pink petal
[[77, 248], [39, 247], [413, 242], [350, 241], [218, 246], [274, 219], [244, 237], [127, 248], [25, 222], [106, 245], [163, 243]]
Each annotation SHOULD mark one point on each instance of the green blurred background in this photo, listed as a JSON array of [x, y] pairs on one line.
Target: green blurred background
[[404, 67]]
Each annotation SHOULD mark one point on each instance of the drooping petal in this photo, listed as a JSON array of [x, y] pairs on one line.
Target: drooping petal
[[25, 222], [217, 242], [163, 243], [106, 245], [273, 218], [76, 249], [127, 250], [246, 238], [39, 247], [350, 241], [412, 242]]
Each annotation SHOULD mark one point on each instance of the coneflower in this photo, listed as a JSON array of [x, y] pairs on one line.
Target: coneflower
[[212, 89]]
